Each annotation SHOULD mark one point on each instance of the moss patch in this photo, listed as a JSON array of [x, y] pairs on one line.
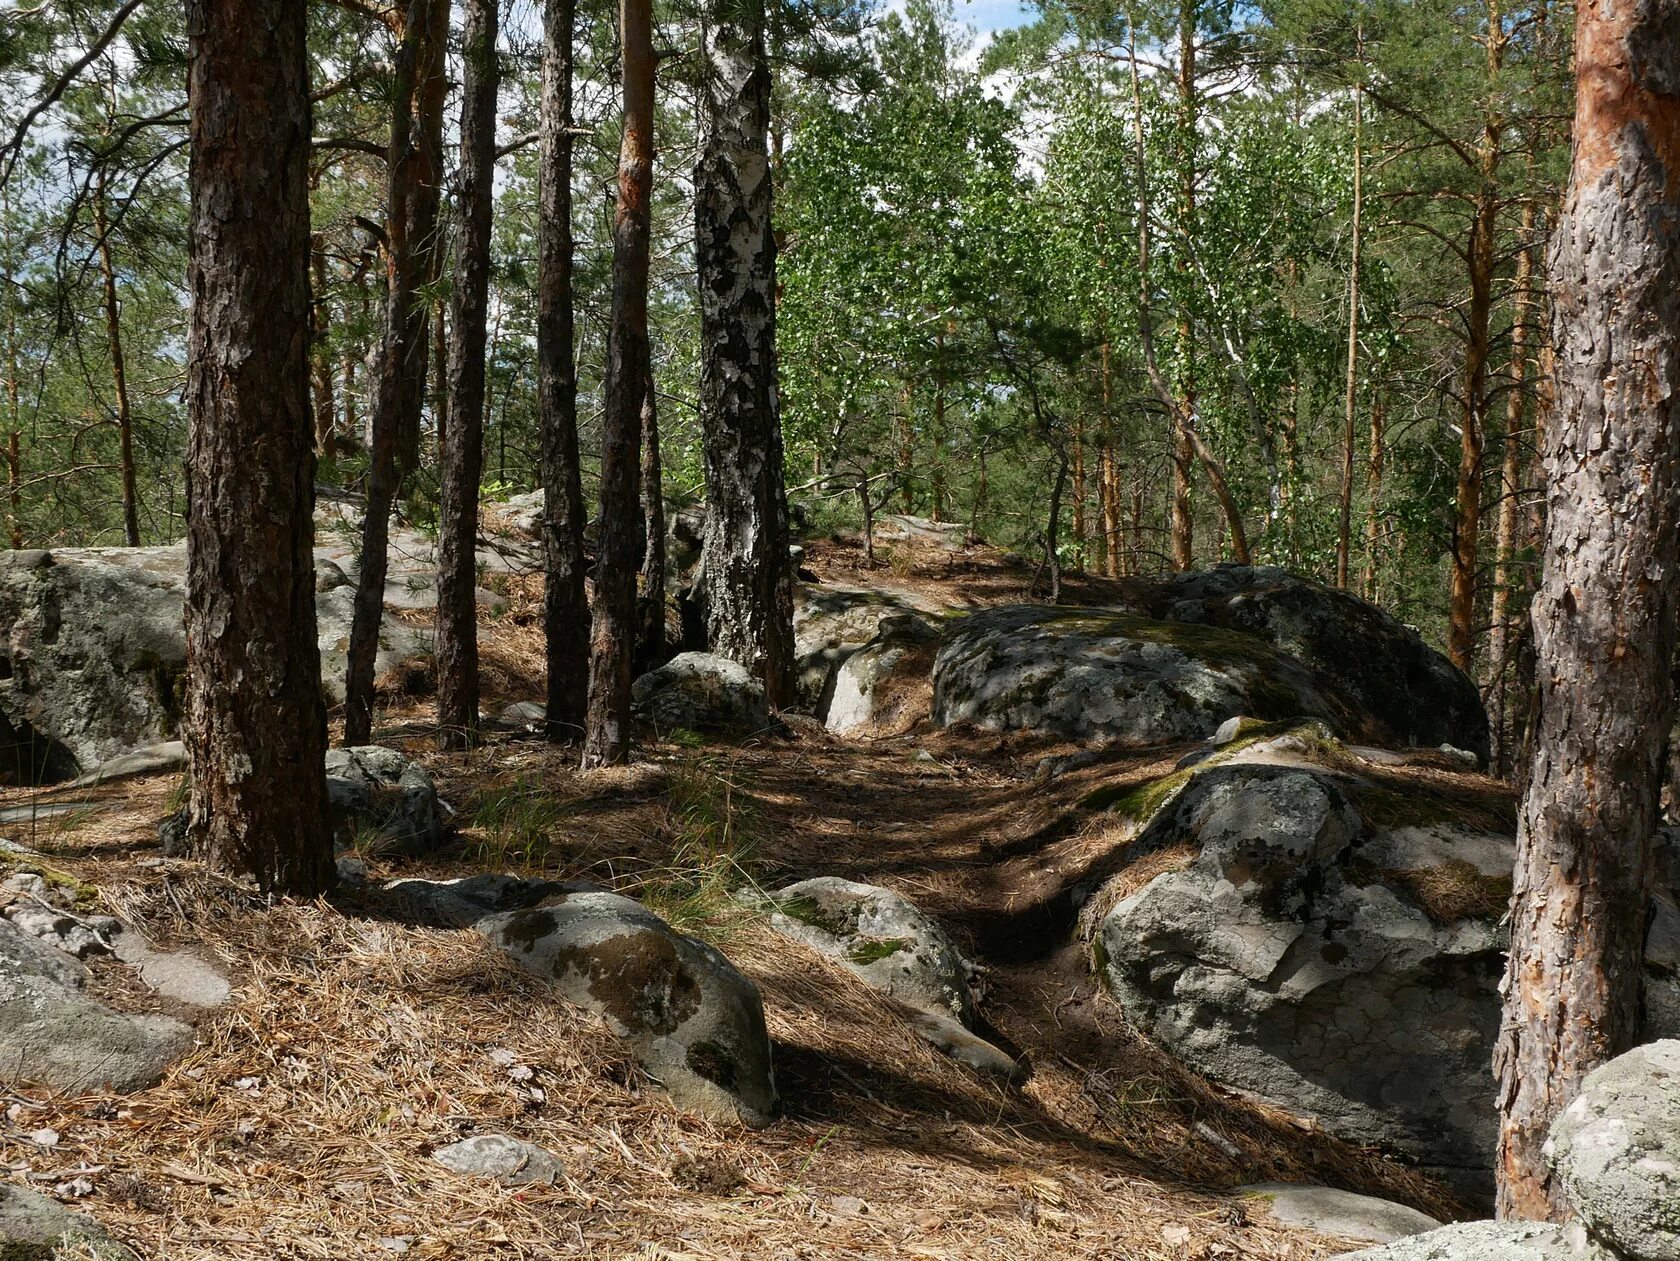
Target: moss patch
[[876, 949]]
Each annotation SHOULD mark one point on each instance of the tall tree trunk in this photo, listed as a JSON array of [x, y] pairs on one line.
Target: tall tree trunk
[[1183, 518], [612, 641], [410, 229], [906, 442], [1480, 254], [1373, 492], [1344, 520], [320, 360], [255, 726], [1604, 617], [463, 449], [565, 602], [1109, 474], [14, 409], [650, 587], [119, 372], [14, 487], [440, 377], [746, 570], [1510, 491], [1080, 490]]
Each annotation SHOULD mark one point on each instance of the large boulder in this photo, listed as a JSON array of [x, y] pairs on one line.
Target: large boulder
[[36, 1228], [1616, 1152], [693, 1020], [1106, 675], [1313, 946], [53, 1034], [883, 680], [93, 649], [1418, 696], [701, 691], [1339, 1214], [829, 625]]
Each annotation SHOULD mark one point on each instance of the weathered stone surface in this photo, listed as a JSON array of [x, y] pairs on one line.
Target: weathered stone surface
[[831, 623], [1382, 664], [510, 1161], [52, 1034], [155, 759], [1340, 1214], [376, 792], [462, 902], [1490, 1241], [895, 661], [694, 1022], [701, 691], [36, 1228], [1339, 969], [1616, 1152], [1106, 675], [881, 936]]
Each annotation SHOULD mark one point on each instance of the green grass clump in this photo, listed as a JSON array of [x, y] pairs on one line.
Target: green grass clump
[[517, 825]]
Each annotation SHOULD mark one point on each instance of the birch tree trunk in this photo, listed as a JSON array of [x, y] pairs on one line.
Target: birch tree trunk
[[255, 725], [1604, 617], [463, 444], [566, 605], [746, 574], [613, 634]]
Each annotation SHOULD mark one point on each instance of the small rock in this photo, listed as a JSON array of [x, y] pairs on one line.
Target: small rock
[[1490, 1241], [35, 1228], [1340, 1214], [511, 1161], [701, 692]]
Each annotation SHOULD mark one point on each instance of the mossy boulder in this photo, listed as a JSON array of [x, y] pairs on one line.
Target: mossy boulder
[[1384, 666], [693, 1020], [1315, 947], [700, 691], [1104, 675]]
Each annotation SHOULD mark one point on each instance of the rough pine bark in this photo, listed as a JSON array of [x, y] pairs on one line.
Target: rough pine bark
[[1604, 617], [463, 442], [119, 371], [612, 639], [747, 576], [412, 164], [566, 606], [650, 584], [255, 725]]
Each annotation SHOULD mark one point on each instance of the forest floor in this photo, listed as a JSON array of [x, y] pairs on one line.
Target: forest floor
[[356, 1043]]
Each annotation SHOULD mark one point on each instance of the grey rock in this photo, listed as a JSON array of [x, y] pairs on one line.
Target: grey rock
[[330, 575], [1490, 1241], [155, 759], [510, 1161], [525, 715], [74, 935], [692, 1019], [1340, 1214], [1107, 675], [178, 975], [1383, 665], [882, 937], [523, 513], [831, 623], [952, 1038], [52, 1034], [947, 536], [900, 653], [372, 789], [701, 691], [36, 1228], [1616, 1152]]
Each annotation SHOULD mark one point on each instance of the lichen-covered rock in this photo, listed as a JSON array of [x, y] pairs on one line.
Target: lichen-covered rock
[[53, 1034], [36, 1228], [694, 1021], [1490, 1241], [873, 684], [701, 691], [463, 901], [1106, 675], [378, 796], [1383, 665], [1341, 969], [1616, 1152], [510, 1161], [881, 936]]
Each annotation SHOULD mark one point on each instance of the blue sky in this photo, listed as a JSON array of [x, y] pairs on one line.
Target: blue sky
[[991, 15]]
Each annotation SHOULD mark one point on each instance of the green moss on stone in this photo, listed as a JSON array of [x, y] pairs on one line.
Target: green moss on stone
[[876, 949]]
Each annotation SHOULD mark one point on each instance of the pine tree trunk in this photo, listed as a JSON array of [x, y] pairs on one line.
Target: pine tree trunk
[[566, 606], [746, 572], [613, 635], [1604, 617], [320, 362], [255, 725], [14, 409], [650, 587], [1080, 490], [1373, 493], [1344, 520], [119, 372], [463, 448], [410, 228]]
